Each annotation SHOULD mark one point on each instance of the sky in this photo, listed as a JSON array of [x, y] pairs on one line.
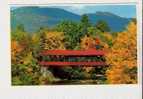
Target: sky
[[128, 11]]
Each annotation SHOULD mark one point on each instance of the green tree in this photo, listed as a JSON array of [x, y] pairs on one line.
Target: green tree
[[102, 26], [84, 23], [20, 27], [74, 31], [71, 31]]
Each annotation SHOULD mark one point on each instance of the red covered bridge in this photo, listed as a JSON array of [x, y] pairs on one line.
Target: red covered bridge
[[72, 53]]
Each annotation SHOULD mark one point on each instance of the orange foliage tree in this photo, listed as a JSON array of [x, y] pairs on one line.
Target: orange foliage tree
[[16, 48], [122, 57]]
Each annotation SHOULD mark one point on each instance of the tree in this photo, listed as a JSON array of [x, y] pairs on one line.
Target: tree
[[25, 70], [84, 23], [93, 31], [19, 33], [88, 43], [20, 27], [16, 49], [52, 40], [122, 57], [102, 26], [71, 32]]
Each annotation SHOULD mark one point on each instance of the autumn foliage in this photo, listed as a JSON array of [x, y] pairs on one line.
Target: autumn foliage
[[120, 49], [122, 57]]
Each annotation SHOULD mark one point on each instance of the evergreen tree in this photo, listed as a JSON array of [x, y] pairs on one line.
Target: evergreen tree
[[84, 23]]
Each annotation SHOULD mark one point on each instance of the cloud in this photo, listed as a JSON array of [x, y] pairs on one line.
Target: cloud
[[77, 7]]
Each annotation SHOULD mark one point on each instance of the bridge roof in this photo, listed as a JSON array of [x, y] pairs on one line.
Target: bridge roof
[[91, 52]]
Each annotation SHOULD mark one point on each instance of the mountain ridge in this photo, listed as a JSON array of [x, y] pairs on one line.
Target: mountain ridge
[[35, 17]]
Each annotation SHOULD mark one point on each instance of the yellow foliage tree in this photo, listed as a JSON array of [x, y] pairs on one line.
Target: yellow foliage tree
[[35, 39], [122, 57], [53, 40], [88, 42]]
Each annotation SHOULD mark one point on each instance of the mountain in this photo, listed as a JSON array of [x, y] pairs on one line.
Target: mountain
[[35, 17], [116, 23]]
